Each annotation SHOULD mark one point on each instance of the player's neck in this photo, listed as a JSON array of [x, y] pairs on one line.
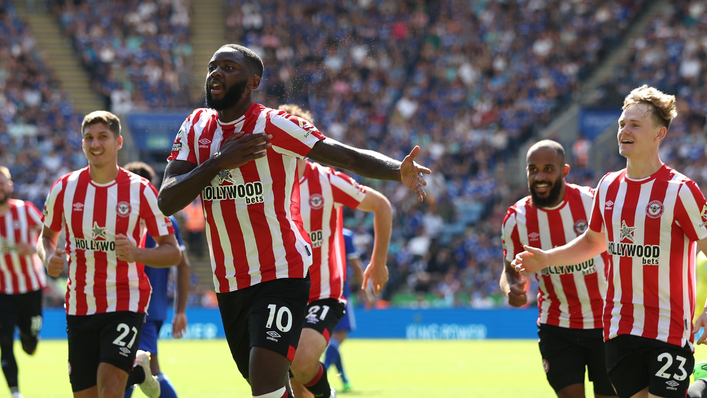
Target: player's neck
[[637, 169], [236, 111], [103, 175]]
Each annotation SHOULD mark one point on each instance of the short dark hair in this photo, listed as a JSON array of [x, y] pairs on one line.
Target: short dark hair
[[142, 169], [256, 63], [110, 120], [547, 144]]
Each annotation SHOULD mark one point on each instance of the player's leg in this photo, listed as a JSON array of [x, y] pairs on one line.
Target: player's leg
[[333, 356], [9, 313], [563, 360], [322, 318], [669, 369], [593, 343], [83, 356], [30, 320], [118, 336], [275, 319], [627, 365], [146, 359]]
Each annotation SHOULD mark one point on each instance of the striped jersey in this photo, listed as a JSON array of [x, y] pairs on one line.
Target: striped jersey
[[20, 224], [92, 215], [569, 296], [254, 227], [323, 192], [651, 227]]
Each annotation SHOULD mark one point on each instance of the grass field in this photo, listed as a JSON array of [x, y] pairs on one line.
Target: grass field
[[376, 368]]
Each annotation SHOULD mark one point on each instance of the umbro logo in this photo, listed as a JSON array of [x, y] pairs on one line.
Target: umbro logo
[[609, 205], [672, 385], [273, 335], [534, 236], [78, 206], [204, 143], [124, 351]]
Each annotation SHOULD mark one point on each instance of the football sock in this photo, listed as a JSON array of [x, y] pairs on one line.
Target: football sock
[[319, 385], [129, 391], [166, 387], [332, 354], [9, 364], [279, 393], [136, 376]]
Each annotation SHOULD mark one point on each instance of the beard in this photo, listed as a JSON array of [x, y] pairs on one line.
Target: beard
[[4, 197], [552, 197], [232, 96]]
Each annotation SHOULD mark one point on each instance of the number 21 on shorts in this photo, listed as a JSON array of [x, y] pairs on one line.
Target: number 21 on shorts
[[282, 318]]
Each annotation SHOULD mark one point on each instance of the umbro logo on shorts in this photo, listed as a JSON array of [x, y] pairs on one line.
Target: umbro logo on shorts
[[672, 384], [273, 335], [124, 351]]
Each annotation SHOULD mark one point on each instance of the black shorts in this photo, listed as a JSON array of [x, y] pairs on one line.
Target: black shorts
[[324, 315], [566, 352], [21, 310], [112, 337], [635, 363], [267, 315]]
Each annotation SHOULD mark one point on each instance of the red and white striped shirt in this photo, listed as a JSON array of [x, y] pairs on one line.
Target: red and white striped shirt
[[254, 227], [569, 296], [323, 191], [20, 224], [651, 227], [92, 215]]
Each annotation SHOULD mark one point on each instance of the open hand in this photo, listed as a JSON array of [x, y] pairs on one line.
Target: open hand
[[411, 174]]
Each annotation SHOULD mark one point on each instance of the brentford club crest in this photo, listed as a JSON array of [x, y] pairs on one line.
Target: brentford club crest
[[123, 209], [546, 365], [316, 201], [580, 226], [654, 209]]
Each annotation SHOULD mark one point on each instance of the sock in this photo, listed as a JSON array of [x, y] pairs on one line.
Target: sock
[[332, 353], [136, 376], [319, 385], [279, 393], [129, 391], [166, 386]]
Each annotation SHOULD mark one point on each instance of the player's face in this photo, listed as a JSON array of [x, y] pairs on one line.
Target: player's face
[[5, 189], [100, 145], [546, 174], [227, 79], [638, 133]]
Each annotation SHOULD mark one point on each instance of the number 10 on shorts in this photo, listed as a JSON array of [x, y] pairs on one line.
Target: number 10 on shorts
[[282, 318]]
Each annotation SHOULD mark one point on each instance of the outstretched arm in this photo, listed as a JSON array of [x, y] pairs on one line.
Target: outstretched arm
[[377, 270], [183, 181], [372, 164], [582, 248]]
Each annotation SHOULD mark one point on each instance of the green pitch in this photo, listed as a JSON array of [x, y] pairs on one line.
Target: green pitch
[[376, 368]]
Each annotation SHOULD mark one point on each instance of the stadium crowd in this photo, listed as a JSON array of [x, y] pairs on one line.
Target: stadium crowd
[[466, 81], [670, 55]]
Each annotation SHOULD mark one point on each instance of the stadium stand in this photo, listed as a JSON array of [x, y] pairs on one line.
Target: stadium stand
[[468, 81]]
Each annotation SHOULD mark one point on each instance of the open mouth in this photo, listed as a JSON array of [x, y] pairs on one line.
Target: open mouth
[[216, 87], [542, 187]]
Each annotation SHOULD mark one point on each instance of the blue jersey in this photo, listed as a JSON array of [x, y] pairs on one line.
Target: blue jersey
[[350, 253], [159, 277]]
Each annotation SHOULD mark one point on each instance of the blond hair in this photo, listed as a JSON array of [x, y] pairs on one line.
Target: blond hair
[[6, 172], [662, 106], [110, 120], [295, 110]]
